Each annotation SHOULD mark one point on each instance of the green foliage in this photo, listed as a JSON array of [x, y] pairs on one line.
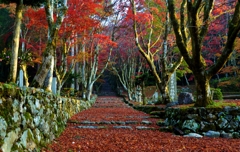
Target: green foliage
[[147, 78], [69, 92], [229, 84], [176, 50], [70, 78], [160, 101], [183, 69], [10, 85], [217, 93], [6, 103], [26, 58], [214, 104], [214, 82], [221, 104], [145, 101], [5, 56], [158, 13]]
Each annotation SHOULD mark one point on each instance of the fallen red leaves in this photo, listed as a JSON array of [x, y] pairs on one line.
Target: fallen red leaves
[[110, 139]]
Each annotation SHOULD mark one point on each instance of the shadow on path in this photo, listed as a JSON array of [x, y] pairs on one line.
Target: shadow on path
[[107, 89]]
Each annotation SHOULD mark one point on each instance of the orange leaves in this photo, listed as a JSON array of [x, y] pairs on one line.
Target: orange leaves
[[217, 54], [37, 59], [154, 10], [160, 3], [225, 83], [229, 69], [70, 59], [237, 44], [217, 11], [82, 56], [144, 18]]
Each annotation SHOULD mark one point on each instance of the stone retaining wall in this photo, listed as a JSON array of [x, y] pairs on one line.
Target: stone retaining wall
[[213, 122], [30, 118]]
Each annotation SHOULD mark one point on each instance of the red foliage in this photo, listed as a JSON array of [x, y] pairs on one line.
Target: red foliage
[[80, 17], [122, 140], [35, 19], [216, 36], [35, 31]]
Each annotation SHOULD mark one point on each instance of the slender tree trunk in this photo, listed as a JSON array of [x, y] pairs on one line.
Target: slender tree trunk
[[23, 65], [16, 37], [185, 76], [73, 70], [77, 69], [165, 76], [25, 75], [83, 73], [89, 91], [144, 101], [59, 87], [129, 94]]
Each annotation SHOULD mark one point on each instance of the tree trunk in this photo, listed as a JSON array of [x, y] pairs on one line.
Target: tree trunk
[[149, 54], [203, 97], [77, 68], [15, 47], [24, 69], [59, 88], [185, 76], [192, 54], [129, 94], [89, 91], [49, 53], [163, 87], [39, 78], [83, 73], [144, 100], [73, 70]]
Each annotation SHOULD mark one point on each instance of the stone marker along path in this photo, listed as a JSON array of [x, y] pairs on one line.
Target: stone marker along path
[[112, 126]]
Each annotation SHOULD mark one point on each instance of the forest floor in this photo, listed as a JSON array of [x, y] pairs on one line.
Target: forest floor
[[110, 125]]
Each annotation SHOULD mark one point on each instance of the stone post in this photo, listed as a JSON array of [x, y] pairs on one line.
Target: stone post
[[155, 96], [139, 94], [54, 84], [21, 78], [172, 87]]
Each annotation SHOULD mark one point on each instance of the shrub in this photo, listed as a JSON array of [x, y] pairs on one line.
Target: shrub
[[217, 93]]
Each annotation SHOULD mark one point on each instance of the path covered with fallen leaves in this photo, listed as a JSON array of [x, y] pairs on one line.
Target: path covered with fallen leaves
[[112, 126]]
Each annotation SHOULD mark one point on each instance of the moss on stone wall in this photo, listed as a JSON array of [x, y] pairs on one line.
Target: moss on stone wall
[[203, 119], [32, 117]]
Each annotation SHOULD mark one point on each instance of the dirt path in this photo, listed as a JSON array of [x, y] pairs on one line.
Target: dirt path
[[112, 126]]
